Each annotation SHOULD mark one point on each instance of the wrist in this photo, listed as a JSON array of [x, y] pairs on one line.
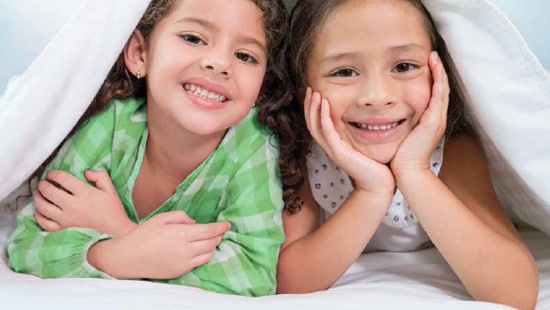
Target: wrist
[[104, 256], [381, 196], [412, 175], [120, 228], [124, 228]]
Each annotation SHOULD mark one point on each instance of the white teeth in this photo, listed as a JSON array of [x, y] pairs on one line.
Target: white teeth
[[201, 92], [378, 127]]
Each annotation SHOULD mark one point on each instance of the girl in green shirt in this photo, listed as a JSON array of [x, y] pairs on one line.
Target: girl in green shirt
[[175, 180]]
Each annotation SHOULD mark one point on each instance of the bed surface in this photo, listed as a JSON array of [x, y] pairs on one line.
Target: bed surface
[[415, 280]]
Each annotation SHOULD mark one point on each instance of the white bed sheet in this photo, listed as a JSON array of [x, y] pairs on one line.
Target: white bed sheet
[[416, 280]]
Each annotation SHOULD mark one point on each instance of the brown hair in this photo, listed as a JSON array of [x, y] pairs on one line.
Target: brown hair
[[275, 89], [305, 21]]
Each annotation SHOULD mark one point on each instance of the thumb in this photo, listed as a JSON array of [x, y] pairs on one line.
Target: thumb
[[173, 217], [101, 179]]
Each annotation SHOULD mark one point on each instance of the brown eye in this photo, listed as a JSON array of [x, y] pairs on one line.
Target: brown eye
[[404, 67], [345, 72], [192, 39], [244, 57]]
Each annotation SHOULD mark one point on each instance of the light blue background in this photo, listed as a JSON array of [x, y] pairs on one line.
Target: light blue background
[[26, 26]]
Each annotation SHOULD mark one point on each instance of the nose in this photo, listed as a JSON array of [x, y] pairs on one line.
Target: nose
[[377, 91], [217, 61]]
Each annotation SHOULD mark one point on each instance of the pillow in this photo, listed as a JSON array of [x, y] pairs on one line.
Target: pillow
[[509, 101]]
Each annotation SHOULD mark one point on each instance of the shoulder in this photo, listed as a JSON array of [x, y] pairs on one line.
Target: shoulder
[[464, 165], [462, 151], [301, 223], [252, 127], [117, 110], [95, 135], [250, 136]]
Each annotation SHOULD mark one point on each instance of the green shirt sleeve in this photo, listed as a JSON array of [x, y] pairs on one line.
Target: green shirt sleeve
[[245, 261], [63, 253]]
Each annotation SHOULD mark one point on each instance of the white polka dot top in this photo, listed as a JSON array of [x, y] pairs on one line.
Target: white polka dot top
[[399, 230]]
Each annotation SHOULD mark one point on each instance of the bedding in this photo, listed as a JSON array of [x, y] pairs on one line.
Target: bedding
[[509, 102], [413, 280]]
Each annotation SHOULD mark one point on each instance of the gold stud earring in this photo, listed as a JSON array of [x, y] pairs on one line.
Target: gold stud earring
[[138, 75]]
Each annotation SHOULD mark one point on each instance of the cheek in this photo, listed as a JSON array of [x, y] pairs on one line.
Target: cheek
[[419, 95], [250, 83]]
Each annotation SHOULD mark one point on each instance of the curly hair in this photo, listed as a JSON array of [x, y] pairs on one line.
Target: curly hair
[[305, 21], [275, 90]]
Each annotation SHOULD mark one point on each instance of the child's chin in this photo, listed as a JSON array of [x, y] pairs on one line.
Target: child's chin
[[381, 156]]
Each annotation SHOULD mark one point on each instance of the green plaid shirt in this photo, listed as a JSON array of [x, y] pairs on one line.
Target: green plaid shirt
[[239, 182]]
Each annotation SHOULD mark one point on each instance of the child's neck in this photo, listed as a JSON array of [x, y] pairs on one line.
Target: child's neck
[[177, 158], [165, 165]]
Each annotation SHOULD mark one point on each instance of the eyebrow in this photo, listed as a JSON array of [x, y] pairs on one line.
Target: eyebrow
[[211, 26], [402, 47], [337, 57], [407, 47]]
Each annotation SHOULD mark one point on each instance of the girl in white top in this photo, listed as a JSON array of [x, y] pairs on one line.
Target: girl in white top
[[377, 100]]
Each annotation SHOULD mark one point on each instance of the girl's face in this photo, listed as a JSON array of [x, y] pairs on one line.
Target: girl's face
[[205, 63], [370, 60]]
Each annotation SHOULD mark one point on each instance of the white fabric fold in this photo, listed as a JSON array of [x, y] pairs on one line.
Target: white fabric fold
[[508, 90], [509, 100], [40, 107]]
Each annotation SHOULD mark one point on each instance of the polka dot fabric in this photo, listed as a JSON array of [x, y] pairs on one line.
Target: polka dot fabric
[[330, 186]]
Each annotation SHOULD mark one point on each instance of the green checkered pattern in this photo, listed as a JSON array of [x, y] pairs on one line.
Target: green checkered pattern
[[239, 182]]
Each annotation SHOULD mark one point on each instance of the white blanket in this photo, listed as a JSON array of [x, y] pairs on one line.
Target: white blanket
[[510, 101], [413, 281], [509, 93]]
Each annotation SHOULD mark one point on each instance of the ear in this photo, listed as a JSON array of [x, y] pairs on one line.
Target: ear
[[135, 54]]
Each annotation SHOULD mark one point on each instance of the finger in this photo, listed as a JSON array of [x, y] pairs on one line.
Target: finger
[[53, 194], [315, 120], [313, 112], [172, 217], [307, 105], [331, 137], [101, 179], [44, 207], [186, 219], [200, 247], [45, 223], [65, 181], [201, 259], [435, 114], [440, 90], [207, 231]]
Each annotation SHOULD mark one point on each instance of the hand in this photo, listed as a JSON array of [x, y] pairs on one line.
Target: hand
[[163, 247], [415, 151], [64, 201], [368, 174]]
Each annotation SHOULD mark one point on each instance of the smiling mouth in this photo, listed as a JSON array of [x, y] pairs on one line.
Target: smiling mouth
[[203, 93], [377, 127]]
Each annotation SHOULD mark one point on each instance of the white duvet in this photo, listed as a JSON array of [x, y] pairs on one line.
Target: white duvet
[[413, 281], [510, 102]]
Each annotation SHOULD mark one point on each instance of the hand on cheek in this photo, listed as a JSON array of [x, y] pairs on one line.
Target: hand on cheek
[[368, 175], [415, 151]]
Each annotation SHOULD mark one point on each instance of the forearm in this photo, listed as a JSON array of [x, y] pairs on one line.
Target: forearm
[[50, 255], [108, 257], [317, 260], [493, 266]]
